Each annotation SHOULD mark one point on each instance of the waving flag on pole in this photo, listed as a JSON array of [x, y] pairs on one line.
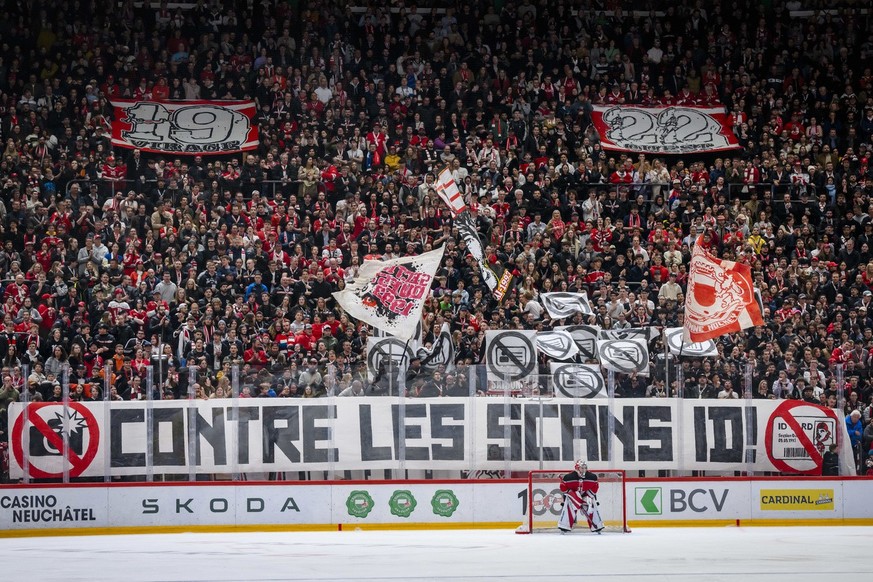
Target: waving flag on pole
[[495, 275], [562, 304], [390, 295], [720, 297], [448, 191], [441, 352]]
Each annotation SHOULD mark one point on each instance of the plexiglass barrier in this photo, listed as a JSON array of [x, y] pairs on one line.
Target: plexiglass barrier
[[323, 421]]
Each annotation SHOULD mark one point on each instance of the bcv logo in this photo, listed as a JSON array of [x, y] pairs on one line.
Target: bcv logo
[[651, 500]]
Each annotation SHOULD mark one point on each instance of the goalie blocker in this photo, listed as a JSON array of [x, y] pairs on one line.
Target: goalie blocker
[[556, 500]]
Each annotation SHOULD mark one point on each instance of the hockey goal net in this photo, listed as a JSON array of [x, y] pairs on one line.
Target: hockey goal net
[[543, 502]]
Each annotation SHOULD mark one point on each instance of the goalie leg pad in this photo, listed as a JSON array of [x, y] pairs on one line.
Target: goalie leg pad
[[595, 522], [567, 519]]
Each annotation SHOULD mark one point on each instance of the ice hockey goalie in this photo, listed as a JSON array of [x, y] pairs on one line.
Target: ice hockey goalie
[[580, 499]]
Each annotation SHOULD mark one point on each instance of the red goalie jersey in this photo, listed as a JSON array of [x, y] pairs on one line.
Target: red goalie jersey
[[586, 482]]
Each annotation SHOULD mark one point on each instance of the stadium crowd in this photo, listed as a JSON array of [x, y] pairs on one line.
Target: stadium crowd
[[123, 257]]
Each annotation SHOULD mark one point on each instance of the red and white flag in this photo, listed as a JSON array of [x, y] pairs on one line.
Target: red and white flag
[[448, 191], [667, 129], [720, 298], [185, 127]]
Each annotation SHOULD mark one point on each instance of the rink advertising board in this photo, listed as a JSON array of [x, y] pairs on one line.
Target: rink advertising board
[[699, 500], [100, 508], [284, 505], [756, 501], [185, 127], [428, 434]]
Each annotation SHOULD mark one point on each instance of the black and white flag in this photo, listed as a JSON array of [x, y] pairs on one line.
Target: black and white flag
[[562, 304], [387, 357], [558, 345], [643, 333], [510, 355], [578, 380], [495, 275], [441, 353], [625, 356], [673, 337], [585, 337]]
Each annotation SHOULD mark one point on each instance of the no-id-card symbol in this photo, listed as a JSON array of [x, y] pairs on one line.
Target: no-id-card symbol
[[511, 355], [45, 440], [578, 380], [797, 436]]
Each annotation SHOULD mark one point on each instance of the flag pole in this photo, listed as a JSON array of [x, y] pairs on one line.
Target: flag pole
[[404, 356], [667, 362]]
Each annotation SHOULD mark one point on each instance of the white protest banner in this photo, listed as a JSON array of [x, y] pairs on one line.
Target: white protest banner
[[578, 380], [558, 345]]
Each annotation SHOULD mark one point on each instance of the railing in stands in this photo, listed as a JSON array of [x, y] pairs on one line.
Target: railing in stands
[[649, 190], [266, 187]]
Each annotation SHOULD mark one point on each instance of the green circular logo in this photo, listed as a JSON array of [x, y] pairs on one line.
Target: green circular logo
[[444, 502], [359, 504], [402, 503]]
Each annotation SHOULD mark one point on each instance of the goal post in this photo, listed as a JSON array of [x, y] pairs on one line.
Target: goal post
[[544, 497]]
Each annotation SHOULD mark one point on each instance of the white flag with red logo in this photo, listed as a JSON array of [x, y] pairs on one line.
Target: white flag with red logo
[[448, 191], [720, 297]]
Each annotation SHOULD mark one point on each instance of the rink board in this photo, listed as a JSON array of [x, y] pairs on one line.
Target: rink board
[[462, 504]]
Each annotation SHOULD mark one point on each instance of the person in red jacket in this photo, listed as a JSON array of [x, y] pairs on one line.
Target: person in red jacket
[[624, 174], [114, 173], [17, 290], [161, 91], [256, 356], [378, 138], [305, 338], [580, 493]]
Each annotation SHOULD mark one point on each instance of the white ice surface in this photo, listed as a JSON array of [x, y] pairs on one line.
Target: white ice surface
[[793, 554]]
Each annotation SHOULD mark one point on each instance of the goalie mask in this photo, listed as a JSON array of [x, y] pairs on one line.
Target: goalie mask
[[581, 467]]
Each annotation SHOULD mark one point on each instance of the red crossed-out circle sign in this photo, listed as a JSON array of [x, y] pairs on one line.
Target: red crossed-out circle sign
[[37, 414], [797, 435]]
